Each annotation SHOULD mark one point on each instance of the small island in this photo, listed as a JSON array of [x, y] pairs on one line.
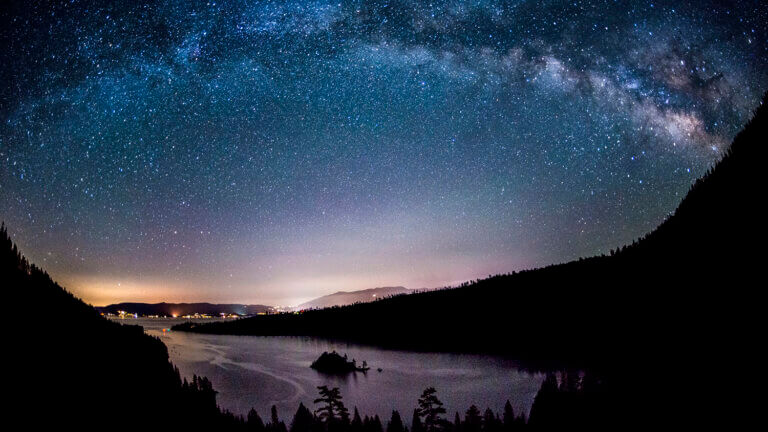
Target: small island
[[333, 363]]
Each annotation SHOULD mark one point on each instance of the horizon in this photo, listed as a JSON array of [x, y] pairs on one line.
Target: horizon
[[275, 153], [249, 303], [291, 305]]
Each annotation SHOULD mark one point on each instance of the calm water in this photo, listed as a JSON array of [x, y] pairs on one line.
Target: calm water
[[254, 371]]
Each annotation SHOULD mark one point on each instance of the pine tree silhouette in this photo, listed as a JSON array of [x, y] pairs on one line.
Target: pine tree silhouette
[[332, 408], [472, 420], [395, 423], [416, 425], [508, 417], [431, 409], [303, 420], [254, 421]]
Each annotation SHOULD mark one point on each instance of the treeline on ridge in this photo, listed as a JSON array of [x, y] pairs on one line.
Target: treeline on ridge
[[72, 367]]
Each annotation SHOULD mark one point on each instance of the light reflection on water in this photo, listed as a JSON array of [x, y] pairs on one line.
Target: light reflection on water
[[253, 371]]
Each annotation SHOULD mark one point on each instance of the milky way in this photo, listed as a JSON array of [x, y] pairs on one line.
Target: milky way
[[274, 151]]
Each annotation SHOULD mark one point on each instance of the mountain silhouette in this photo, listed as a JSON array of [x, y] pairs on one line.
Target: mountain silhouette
[[342, 298]]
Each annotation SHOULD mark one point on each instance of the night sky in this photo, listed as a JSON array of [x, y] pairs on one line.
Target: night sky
[[270, 152]]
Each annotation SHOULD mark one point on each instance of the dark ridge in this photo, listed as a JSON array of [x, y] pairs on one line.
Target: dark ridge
[[70, 366]]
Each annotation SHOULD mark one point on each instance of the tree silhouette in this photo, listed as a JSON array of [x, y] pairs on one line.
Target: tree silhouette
[[254, 422], [457, 426], [331, 408], [303, 420], [416, 425], [472, 420], [491, 422], [372, 424], [275, 424], [508, 417], [357, 422], [545, 403], [395, 423], [431, 409]]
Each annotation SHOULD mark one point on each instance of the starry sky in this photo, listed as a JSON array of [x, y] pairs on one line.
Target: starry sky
[[274, 151]]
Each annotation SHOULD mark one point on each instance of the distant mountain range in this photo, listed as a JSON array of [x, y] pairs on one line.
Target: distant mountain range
[[343, 298], [171, 309]]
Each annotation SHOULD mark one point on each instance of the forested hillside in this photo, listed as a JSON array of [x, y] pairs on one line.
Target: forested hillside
[[69, 366]]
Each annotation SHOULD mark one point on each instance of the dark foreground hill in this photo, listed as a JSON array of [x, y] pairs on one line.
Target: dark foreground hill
[[180, 309], [679, 308], [68, 367]]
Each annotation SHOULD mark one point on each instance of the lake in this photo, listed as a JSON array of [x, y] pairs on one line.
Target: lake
[[257, 371]]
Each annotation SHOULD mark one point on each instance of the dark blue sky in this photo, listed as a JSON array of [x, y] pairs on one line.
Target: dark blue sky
[[269, 152]]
